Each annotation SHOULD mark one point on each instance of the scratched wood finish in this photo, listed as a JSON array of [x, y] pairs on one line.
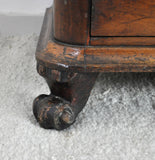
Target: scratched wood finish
[[56, 55], [102, 59], [71, 21], [123, 18], [122, 41], [120, 59]]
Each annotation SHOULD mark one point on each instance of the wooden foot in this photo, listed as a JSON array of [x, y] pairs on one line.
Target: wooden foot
[[69, 94]]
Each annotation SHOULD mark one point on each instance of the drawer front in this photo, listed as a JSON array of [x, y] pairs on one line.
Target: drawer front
[[123, 18]]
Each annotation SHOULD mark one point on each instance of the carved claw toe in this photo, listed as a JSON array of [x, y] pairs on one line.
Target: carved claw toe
[[53, 112]]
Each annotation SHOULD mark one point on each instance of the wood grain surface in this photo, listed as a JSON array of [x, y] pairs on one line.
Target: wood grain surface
[[71, 21], [123, 18], [64, 57]]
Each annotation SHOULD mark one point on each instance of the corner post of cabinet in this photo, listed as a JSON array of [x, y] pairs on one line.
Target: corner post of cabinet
[[71, 20]]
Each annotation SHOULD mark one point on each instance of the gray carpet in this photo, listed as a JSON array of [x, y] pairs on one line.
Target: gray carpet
[[118, 122]]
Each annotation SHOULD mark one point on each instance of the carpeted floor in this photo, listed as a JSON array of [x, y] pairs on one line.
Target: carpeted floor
[[118, 122]]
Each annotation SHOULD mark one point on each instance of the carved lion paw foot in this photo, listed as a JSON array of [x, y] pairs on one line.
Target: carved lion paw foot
[[53, 112]]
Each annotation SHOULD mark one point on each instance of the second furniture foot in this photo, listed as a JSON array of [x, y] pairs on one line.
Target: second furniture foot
[[69, 94]]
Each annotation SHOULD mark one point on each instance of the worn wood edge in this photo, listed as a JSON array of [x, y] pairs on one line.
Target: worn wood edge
[[101, 59], [46, 38], [60, 56]]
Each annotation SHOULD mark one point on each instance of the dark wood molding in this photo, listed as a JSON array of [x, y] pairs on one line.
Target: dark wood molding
[[62, 56], [122, 41]]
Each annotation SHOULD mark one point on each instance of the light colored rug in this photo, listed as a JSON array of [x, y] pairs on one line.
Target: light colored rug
[[118, 122]]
